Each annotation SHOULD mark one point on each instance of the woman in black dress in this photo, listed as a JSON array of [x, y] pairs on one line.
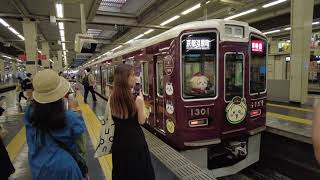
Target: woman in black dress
[[130, 153]]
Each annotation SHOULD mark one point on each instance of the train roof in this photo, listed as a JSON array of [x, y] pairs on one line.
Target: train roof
[[218, 24]]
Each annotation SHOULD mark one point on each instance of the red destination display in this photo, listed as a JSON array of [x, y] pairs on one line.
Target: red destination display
[[257, 46]]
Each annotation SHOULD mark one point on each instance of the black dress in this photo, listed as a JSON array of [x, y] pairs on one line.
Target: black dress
[[130, 153]]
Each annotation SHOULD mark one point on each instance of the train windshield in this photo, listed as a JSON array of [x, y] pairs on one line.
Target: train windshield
[[199, 56], [258, 65], [233, 75]]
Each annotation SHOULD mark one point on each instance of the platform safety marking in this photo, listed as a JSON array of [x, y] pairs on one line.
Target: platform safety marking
[[289, 118], [93, 127], [290, 107], [16, 144]]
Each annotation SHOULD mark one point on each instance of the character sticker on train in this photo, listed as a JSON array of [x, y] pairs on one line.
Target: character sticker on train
[[170, 126], [168, 64], [169, 89], [236, 110], [169, 107]]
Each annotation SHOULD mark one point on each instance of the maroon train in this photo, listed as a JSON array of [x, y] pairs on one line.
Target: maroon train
[[204, 85]]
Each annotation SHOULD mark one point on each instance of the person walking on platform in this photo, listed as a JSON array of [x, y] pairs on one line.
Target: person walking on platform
[[27, 84], [20, 88], [88, 84], [130, 153], [52, 132], [6, 167]]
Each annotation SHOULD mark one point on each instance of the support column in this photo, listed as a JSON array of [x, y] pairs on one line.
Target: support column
[[83, 19], [301, 28], [57, 66], [45, 51], [1, 70], [30, 35], [14, 70]]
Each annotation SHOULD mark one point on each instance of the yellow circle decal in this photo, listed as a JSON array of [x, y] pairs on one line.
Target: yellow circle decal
[[170, 126]]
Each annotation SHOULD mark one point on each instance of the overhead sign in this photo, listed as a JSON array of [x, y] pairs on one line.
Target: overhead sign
[[198, 44]]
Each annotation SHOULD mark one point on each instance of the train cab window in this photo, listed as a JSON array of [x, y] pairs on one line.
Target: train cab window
[[160, 78], [145, 78], [233, 75], [199, 59], [258, 65]]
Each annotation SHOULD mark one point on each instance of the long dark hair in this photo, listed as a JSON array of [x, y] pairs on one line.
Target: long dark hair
[[50, 116], [122, 101]]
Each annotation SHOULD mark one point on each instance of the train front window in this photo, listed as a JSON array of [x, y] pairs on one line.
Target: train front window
[[258, 65], [233, 75], [199, 59]]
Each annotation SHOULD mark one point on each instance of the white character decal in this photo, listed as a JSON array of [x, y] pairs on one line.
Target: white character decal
[[169, 89], [236, 110], [169, 107]]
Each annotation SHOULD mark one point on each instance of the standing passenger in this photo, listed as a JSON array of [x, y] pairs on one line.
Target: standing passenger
[[27, 84], [48, 125], [88, 84], [130, 153]]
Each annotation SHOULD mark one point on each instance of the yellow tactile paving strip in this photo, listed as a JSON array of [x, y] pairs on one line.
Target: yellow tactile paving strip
[[93, 127], [289, 118], [290, 107], [16, 144]]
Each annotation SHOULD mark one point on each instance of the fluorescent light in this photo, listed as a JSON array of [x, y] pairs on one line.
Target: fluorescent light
[[21, 37], [61, 26], [62, 33], [240, 14], [4, 23], [13, 30], [207, 2], [148, 32], [287, 29], [191, 9], [39, 51], [64, 46], [63, 39], [314, 23], [116, 48], [273, 3], [59, 10], [139, 36], [128, 42], [270, 32], [169, 20]]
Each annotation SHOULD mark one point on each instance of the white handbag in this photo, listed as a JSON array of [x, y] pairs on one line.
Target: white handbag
[[106, 134]]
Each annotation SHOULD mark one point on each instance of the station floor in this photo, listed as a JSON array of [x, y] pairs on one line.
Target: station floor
[[282, 119]]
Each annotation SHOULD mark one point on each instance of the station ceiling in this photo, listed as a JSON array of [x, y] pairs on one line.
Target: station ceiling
[[114, 22]]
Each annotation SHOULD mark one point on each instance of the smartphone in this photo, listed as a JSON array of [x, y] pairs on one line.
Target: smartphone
[[136, 89]]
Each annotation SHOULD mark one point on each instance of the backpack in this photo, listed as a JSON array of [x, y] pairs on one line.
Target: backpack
[[85, 81]]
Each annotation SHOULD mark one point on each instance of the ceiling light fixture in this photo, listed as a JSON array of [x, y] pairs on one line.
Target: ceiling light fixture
[[315, 23], [61, 26], [271, 32], [21, 37], [59, 9], [139, 36], [4, 23], [273, 3], [240, 14], [116, 48], [287, 29], [62, 33], [191, 9], [148, 32], [13, 30], [63, 39], [169, 20]]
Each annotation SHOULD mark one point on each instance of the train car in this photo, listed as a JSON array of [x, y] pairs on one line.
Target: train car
[[204, 85]]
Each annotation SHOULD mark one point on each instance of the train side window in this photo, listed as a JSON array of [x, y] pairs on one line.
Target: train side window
[[233, 75], [160, 78], [110, 76], [199, 61], [145, 78], [258, 60]]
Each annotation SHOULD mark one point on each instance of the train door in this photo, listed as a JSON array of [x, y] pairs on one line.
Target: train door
[[158, 93], [234, 88]]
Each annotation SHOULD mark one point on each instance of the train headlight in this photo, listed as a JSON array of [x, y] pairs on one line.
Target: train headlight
[[198, 122], [255, 113]]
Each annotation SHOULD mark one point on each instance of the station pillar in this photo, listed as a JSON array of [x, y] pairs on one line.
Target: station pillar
[[45, 51], [58, 62], [14, 70], [301, 28], [30, 35], [2, 70]]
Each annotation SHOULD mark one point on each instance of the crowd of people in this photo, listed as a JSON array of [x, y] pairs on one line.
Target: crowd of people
[[55, 133]]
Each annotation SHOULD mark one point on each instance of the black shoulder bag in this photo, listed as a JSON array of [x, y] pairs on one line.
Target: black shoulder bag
[[76, 156]]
